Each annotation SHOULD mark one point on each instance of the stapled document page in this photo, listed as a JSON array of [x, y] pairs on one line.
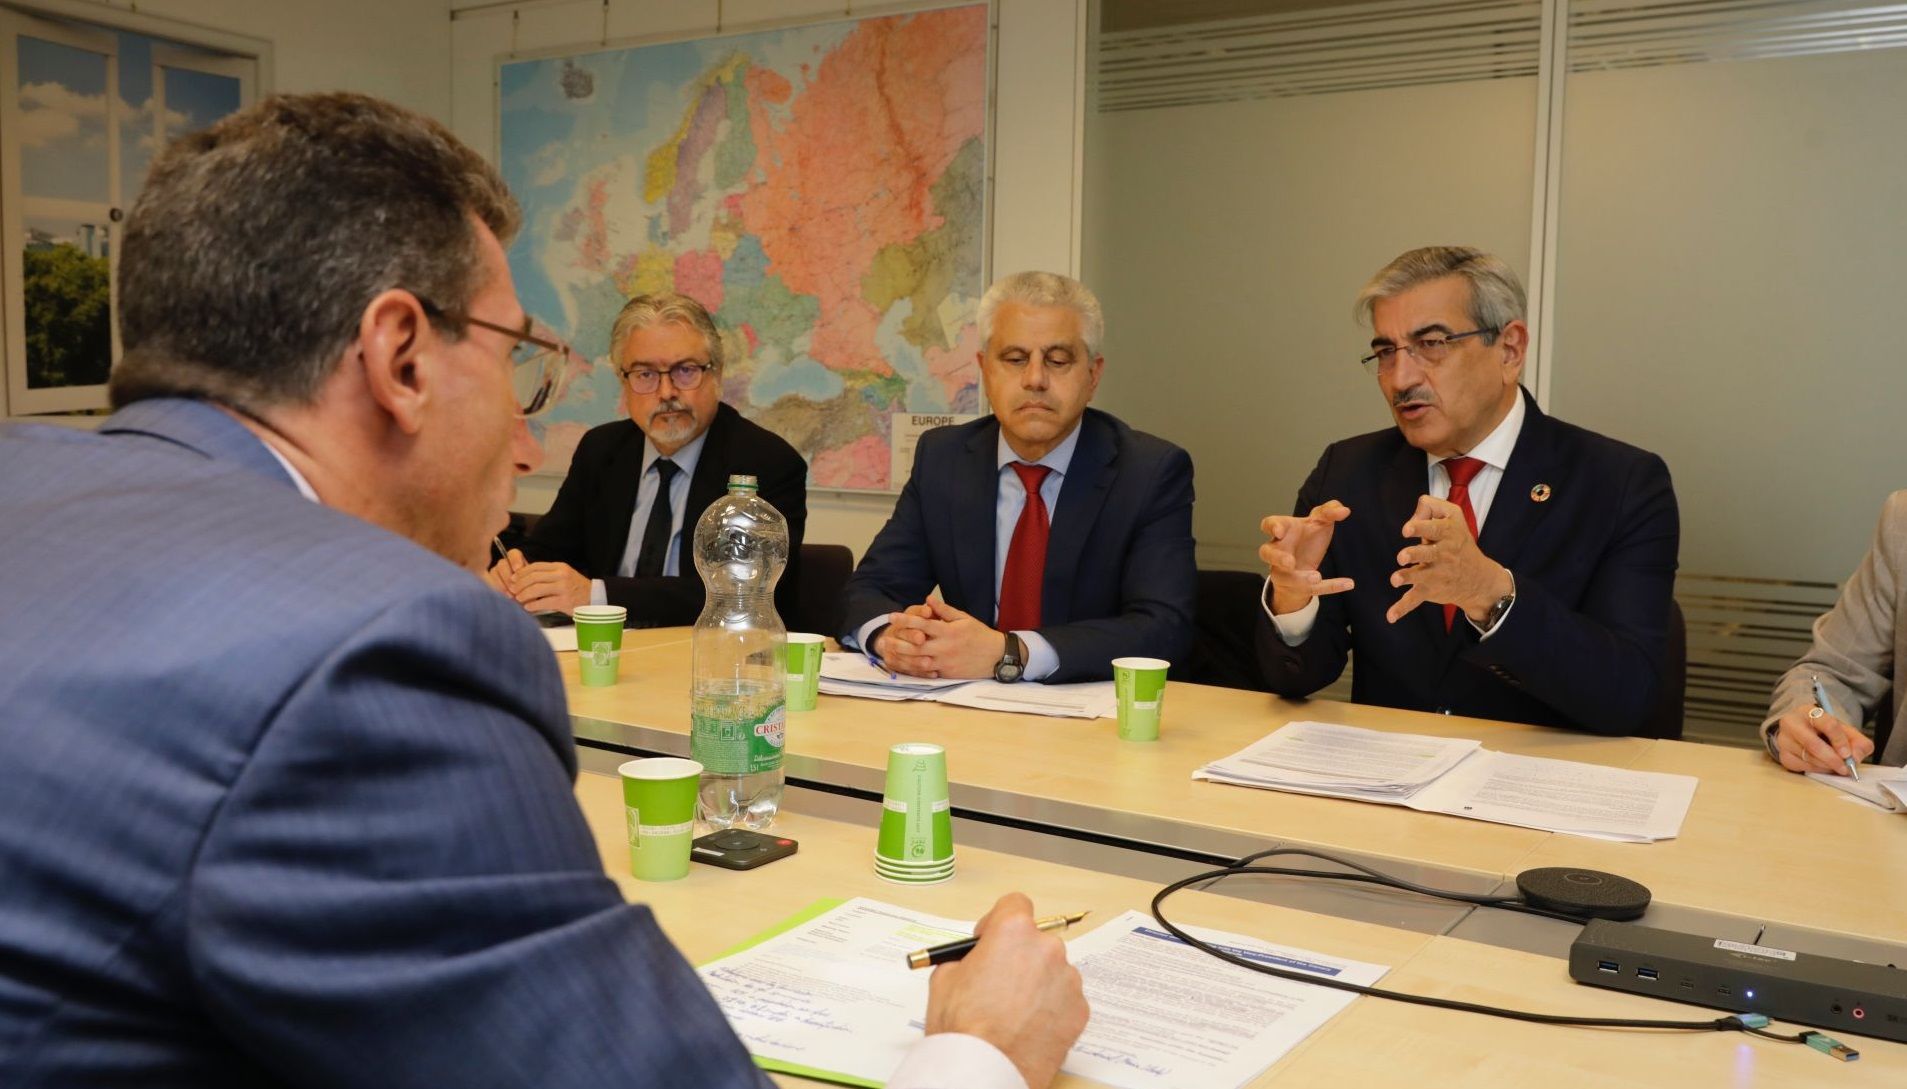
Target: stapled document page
[[1462, 779]]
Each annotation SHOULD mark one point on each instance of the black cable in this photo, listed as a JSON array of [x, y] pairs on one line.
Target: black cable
[[1368, 875]]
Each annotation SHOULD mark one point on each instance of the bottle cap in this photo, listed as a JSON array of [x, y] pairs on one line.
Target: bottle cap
[[743, 480]]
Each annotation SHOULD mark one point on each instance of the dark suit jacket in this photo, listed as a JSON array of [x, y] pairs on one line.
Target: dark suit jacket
[[588, 526], [287, 800], [1594, 568], [1120, 573]]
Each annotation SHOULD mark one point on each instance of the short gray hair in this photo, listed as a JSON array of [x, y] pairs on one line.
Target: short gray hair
[[1046, 289], [256, 244], [664, 308], [1496, 295]]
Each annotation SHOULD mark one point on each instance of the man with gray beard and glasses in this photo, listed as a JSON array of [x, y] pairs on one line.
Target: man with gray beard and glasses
[[1542, 555], [621, 527]]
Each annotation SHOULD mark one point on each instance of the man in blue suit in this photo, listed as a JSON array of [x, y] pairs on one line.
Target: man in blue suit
[[1059, 537], [1480, 558], [286, 795]]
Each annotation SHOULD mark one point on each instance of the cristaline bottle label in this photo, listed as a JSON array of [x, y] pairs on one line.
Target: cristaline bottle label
[[730, 738]]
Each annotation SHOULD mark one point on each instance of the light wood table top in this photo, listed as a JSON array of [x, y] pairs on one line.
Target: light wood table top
[[1076, 773], [1758, 843], [1371, 1043]]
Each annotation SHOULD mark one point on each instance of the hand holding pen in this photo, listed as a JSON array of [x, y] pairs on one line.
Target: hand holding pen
[[1015, 990], [1824, 709], [1813, 738]]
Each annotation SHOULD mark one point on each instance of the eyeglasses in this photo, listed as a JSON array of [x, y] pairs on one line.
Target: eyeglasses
[[1428, 350], [537, 363], [683, 376]]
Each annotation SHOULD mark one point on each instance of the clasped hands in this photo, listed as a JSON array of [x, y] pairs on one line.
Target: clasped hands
[[1444, 567], [934, 639]]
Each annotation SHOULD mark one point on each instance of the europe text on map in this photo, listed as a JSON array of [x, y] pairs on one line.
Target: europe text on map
[[820, 189]]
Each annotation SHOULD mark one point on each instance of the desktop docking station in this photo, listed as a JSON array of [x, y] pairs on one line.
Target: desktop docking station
[[1827, 993]]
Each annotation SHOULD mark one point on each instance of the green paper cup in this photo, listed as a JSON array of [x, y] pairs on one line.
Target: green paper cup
[[916, 821], [599, 642], [802, 655], [658, 797], [1140, 684]]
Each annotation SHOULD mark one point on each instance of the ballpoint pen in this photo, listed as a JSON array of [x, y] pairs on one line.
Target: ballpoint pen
[[502, 552], [1821, 701], [941, 954]]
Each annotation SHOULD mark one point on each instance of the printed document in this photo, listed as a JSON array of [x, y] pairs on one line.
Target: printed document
[[849, 674], [830, 996], [1462, 779]]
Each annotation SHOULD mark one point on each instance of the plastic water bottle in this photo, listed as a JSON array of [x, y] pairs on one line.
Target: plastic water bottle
[[736, 700]]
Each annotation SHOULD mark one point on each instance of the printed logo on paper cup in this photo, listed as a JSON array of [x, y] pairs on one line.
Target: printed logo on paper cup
[[602, 653], [634, 817]]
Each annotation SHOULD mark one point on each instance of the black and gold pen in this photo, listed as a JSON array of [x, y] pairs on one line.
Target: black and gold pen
[[941, 954]]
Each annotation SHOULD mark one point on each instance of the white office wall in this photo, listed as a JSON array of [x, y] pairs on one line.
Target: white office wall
[[1036, 108], [1727, 282], [1227, 241]]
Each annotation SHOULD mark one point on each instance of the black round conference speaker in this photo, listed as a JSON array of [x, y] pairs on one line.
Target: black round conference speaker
[[1591, 894]]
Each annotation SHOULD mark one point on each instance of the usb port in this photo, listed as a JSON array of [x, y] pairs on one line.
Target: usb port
[[1646, 973], [1608, 966]]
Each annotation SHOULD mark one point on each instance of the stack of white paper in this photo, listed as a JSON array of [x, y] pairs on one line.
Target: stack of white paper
[[1462, 779], [848, 674], [1341, 762]]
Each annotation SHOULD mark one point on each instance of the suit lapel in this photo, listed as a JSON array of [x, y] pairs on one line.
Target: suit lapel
[[976, 492], [712, 470], [1514, 513], [609, 533], [1082, 494]]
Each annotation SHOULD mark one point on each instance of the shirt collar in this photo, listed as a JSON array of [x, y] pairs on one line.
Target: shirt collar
[[1495, 449], [1056, 459], [304, 486], [684, 458]]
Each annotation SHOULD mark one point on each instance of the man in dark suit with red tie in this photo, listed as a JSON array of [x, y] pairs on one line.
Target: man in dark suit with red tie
[[1059, 537], [1546, 553], [620, 530]]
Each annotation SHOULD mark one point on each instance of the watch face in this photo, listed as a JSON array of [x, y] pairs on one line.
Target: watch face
[[1006, 672]]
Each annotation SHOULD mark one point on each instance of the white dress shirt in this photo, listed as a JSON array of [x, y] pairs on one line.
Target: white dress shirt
[[1493, 452], [649, 484]]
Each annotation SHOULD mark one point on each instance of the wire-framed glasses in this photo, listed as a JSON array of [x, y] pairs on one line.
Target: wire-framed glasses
[[1429, 350]]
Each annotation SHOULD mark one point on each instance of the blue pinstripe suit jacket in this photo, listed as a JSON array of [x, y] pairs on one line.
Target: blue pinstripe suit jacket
[[285, 799]]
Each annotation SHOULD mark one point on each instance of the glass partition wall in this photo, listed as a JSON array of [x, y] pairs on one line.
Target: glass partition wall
[[1706, 192]]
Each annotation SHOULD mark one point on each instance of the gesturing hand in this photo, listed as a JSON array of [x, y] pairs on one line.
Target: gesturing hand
[[1446, 567], [1294, 551]]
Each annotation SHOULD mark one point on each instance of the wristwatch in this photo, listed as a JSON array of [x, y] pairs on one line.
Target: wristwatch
[[1501, 607], [1012, 665]]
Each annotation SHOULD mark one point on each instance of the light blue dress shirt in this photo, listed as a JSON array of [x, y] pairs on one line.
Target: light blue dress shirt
[[1009, 501], [646, 490]]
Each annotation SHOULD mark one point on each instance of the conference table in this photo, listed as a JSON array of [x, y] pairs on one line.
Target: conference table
[[1063, 810]]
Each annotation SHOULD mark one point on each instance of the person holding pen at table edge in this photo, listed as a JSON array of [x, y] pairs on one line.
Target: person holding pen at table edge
[[1858, 647]]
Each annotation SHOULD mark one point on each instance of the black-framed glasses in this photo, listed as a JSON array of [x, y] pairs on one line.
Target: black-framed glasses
[[1428, 350], [685, 375], [537, 362]]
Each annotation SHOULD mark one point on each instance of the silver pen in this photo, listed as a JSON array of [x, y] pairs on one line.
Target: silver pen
[[1821, 701]]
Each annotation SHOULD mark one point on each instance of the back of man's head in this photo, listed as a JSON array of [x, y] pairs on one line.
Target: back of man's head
[[256, 245]]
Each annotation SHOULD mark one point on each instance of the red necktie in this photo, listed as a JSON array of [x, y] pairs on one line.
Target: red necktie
[[1462, 471], [1025, 556]]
